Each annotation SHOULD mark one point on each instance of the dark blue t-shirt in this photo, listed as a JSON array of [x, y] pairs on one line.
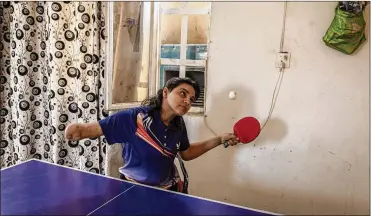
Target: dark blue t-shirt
[[149, 146]]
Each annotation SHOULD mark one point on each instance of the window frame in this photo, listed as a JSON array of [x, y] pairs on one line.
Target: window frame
[[150, 36], [183, 62], [154, 60]]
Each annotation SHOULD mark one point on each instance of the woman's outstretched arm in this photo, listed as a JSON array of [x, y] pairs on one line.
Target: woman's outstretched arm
[[78, 131]]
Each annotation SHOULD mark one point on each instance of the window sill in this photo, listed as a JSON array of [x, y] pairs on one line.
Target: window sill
[[121, 106], [196, 111]]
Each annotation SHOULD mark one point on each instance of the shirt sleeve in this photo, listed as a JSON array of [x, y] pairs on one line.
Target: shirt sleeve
[[119, 127], [184, 142]]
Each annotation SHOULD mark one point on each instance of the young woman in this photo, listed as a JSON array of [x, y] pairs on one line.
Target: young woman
[[153, 134]]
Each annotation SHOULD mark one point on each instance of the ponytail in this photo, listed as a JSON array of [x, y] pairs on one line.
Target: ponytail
[[155, 101]]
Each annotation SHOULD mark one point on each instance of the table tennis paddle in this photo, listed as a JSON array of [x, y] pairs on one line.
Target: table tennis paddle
[[246, 129]]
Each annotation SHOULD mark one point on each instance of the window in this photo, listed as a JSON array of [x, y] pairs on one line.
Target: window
[[184, 30], [173, 41], [130, 77]]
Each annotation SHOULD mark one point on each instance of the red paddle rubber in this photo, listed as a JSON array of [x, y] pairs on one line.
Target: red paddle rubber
[[246, 129]]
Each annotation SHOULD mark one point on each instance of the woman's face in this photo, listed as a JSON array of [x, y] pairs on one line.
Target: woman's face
[[180, 98]]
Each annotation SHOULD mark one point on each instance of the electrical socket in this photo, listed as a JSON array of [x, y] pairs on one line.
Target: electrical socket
[[283, 60]]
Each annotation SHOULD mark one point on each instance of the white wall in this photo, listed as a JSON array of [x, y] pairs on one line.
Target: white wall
[[313, 156]]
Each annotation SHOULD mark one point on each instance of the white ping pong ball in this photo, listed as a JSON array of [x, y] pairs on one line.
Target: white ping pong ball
[[232, 95]]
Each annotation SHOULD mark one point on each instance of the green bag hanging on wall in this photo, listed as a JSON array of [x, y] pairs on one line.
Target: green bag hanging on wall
[[346, 32]]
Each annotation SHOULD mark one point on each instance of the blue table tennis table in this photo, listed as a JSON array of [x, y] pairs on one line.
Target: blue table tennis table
[[36, 187]]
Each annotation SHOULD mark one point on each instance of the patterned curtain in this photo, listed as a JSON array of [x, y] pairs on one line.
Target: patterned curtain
[[52, 74]]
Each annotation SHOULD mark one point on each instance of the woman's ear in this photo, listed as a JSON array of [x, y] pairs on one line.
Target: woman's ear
[[165, 92]]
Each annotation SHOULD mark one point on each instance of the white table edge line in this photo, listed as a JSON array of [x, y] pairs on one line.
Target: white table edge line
[[14, 165]]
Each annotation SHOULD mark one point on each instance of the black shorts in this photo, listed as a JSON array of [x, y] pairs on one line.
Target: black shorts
[[175, 187]]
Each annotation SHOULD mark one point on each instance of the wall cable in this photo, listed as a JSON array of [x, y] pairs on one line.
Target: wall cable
[[278, 83]]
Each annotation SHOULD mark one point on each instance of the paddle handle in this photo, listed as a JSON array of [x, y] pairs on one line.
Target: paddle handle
[[225, 144]]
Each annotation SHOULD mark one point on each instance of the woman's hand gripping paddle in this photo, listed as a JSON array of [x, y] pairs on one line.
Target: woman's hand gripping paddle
[[246, 129]]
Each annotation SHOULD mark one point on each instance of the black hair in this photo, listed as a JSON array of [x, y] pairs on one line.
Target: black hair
[[155, 102]]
